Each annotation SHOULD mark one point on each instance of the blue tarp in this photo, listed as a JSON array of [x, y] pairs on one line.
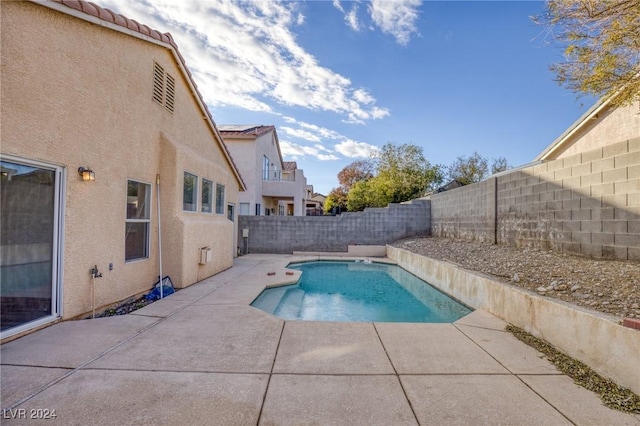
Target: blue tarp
[[167, 289]]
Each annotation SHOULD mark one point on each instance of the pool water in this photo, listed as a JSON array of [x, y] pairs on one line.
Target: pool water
[[360, 292]]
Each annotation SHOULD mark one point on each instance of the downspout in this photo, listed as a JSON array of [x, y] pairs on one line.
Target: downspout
[[159, 236]]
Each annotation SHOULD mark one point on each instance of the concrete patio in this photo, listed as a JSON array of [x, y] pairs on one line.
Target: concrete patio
[[204, 356]]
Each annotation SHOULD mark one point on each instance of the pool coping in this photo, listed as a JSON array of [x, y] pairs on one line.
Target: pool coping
[[596, 339]]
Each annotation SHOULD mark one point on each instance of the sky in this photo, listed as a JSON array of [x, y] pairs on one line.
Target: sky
[[339, 79]]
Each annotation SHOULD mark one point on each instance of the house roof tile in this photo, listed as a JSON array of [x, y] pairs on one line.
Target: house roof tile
[[289, 166], [243, 130]]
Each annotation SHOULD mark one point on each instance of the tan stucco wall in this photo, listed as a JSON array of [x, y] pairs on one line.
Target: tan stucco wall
[[77, 94], [609, 127]]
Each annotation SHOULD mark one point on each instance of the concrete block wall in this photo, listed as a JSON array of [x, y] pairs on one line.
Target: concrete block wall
[[373, 226], [466, 213], [587, 204]]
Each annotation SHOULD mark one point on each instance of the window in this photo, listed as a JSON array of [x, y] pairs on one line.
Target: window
[[258, 207], [164, 86], [265, 167], [244, 208], [219, 199], [280, 210], [230, 212], [138, 221], [189, 193], [207, 196]]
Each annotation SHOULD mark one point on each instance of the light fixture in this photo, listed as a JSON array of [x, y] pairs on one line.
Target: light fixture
[[86, 174]]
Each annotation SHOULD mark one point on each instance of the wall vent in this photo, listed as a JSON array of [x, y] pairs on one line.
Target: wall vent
[[158, 83], [164, 87], [169, 95]]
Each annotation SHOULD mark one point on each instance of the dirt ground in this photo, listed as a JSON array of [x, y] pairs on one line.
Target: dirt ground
[[608, 286]]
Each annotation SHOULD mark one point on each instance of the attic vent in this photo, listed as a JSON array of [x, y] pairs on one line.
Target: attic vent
[[158, 83], [171, 87], [164, 87]]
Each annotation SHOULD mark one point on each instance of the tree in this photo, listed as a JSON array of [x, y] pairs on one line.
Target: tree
[[355, 172], [475, 168], [468, 170], [500, 164], [402, 174], [337, 198], [601, 41], [349, 176]]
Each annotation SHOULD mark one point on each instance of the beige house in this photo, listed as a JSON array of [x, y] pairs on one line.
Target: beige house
[[315, 202], [107, 145], [601, 125], [274, 186]]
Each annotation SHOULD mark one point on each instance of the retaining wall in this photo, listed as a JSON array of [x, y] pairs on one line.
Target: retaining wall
[[593, 338], [587, 204], [373, 226]]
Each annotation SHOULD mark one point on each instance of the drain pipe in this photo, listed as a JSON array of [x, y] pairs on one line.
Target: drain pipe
[[159, 236]]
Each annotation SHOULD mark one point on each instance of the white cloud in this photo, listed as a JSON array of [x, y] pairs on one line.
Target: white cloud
[[397, 18], [245, 54], [338, 5], [352, 18], [294, 151], [353, 149], [299, 133]]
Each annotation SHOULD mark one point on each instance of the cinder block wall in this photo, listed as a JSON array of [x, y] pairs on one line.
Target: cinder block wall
[[587, 204], [373, 226], [466, 213]]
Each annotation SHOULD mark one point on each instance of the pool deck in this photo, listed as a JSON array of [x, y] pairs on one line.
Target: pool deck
[[204, 356]]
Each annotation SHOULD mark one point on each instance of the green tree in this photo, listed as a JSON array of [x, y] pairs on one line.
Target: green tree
[[349, 176], [337, 198], [402, 174], [601, 41]]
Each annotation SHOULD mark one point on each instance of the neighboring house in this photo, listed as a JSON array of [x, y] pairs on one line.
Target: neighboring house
[[601, 125], [274, 187], [84, 88], [315, 202]]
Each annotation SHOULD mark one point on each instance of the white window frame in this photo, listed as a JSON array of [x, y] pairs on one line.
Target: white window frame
[[57, 274], [195, 192], [144, 220]]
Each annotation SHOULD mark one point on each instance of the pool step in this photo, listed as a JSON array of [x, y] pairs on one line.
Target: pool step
[[270, 299], [291, 303]]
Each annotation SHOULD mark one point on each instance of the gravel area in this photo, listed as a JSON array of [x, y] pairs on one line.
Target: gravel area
[[608, 286]]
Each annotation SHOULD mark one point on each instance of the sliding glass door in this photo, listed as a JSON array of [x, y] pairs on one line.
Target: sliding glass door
[[29, 252]]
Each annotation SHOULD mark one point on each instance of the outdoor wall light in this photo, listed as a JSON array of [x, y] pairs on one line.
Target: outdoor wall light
[[86, 174]]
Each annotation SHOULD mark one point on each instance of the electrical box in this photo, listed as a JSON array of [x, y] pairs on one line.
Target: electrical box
[[245, 233], [205, 255]]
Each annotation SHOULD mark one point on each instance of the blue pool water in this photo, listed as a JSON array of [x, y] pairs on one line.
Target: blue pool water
[[357, 291]]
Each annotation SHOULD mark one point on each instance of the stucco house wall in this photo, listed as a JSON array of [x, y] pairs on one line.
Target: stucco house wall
[[600, 126], [248, 145], [79, 94]]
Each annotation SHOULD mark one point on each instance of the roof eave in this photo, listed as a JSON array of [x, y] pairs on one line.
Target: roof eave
[[62, 7]]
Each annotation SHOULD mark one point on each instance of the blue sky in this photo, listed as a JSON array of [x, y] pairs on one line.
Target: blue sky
[[339, 79]]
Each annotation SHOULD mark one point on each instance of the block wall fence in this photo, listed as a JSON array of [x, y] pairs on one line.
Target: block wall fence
[[587, 204], [373, 226]]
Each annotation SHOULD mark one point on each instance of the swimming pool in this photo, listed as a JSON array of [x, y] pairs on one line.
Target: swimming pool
[[359, 292]]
